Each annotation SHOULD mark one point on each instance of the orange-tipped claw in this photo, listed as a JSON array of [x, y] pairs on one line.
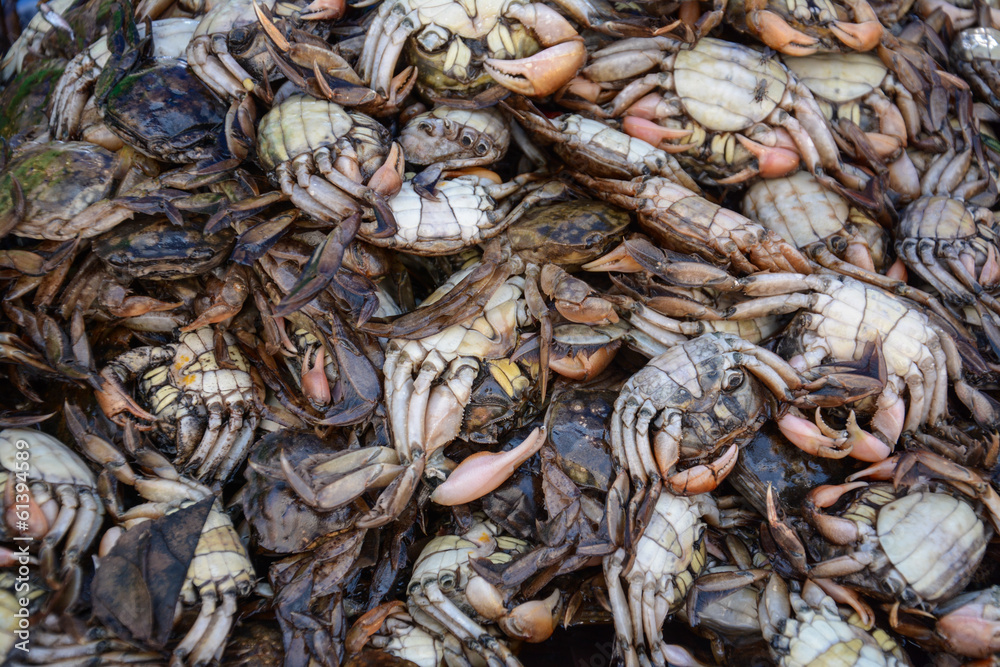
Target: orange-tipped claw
[[388, 179], [115, 402], [324, 10], [541, 74], [859, 36], [704, 478], [315, 385], [863, 445], [619, 259], [772, 161], [655, 134], [485, 471], [808, 437], [583, 366], [776, 33], [369, 623]]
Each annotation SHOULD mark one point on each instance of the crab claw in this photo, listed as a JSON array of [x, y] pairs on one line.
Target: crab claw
[[533, 621], [811, 438], [704, 478], [541, 74], [485, 471], [315, 384], [655, 134], [324, 10], [388, 179], [865, 33], [772, 161], [115, 401], [776, 33]]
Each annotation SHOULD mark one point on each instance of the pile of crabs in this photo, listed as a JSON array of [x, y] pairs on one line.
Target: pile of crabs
[[420, 331]]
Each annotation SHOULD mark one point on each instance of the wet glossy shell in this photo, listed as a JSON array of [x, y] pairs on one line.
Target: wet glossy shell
[[191, 120], [49, 460], [567, 233], [934, 540], [59, 180], [936, 218], [977, 44], [162, 250], [301, 125], [727, 86], [798, 208], [577, 425], [838, 77]]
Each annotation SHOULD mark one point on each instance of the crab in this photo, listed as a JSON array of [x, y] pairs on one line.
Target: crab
[[756, 92], [219, 572], [451, 138], [301, 136], [210, 410], [703, 396], [53, 496], [819, 222], [667, 554], [682, 221], [803, 27], [857, 91], [445, 592], [842, 319], [975, 53], [465, 48], [66, 190], [600, 149], [72, 101], [883, 541], [208, 52], [954, 248]]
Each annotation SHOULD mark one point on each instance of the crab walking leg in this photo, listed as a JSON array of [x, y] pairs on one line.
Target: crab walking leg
[[209, 602], [209, 438], [224, 446], [444, 611], [619, 606], [213, 642], [416, 416], [68, 504], [446, 405], [239, 448], [85, 528]]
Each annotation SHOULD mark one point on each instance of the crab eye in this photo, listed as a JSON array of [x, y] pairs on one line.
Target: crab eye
[[446, 581], [732, 381], [426, 127], [433, 38], [482, 148], [466, 140]]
